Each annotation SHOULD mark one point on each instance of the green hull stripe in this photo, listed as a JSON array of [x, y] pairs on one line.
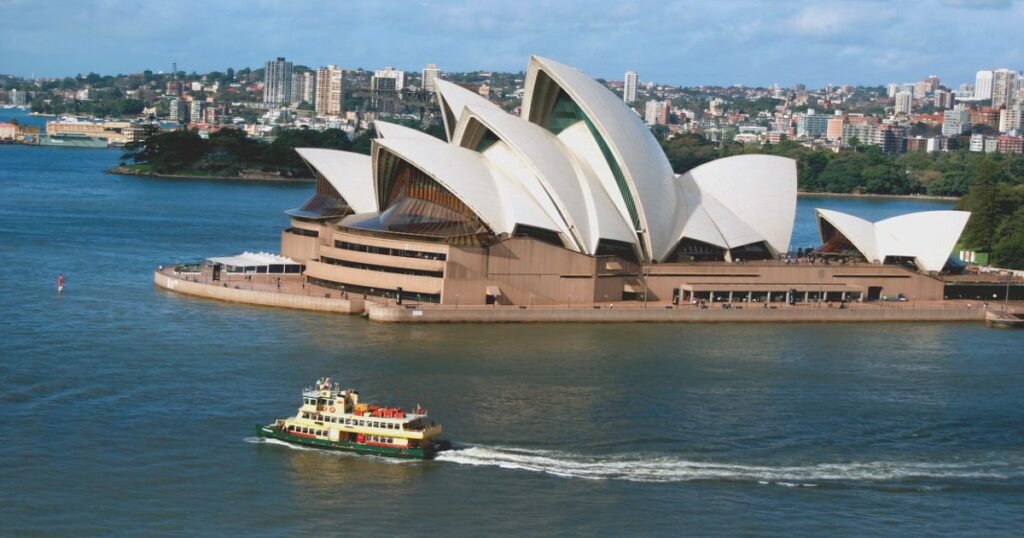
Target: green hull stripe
[[412, 453]]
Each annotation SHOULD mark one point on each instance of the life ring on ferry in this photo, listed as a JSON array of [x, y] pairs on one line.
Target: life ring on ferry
[[332, 410]]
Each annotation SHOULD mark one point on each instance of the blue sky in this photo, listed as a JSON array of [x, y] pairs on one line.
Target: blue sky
[[754, 42]]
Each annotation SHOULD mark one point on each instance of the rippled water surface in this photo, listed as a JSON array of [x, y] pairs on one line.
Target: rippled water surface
[[129, 410]]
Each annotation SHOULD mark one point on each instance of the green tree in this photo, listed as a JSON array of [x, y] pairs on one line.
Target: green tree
[[362, 142], [1008, 250], [981, 202], [688, 151]]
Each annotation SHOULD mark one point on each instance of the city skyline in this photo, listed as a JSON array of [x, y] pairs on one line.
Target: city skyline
[[747, 42]]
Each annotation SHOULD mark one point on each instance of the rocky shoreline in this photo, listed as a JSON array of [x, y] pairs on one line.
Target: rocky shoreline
[[244, 176]]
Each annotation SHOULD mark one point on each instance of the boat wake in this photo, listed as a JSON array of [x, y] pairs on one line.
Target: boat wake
[[640, 468], [272, 441]]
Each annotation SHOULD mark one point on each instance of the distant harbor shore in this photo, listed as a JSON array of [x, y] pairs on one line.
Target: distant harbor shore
[[810, 194], [243, 176]]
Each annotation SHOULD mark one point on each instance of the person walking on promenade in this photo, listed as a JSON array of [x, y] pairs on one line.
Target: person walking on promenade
[[60, 283]]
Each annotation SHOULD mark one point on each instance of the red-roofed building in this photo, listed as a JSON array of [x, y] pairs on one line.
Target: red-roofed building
[[985, 116], [1010, 144]]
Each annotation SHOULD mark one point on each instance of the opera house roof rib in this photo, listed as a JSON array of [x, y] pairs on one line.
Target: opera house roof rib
[[578, 168], [927, 237]]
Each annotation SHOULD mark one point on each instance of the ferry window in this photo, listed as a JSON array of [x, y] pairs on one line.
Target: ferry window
[[330, 402]]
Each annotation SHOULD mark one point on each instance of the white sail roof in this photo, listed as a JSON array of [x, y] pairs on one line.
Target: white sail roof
[[567, 190], [748, 198], [393, 130], [349, 173], [928, 236], [500, 203], [637, 154], [453, 99]]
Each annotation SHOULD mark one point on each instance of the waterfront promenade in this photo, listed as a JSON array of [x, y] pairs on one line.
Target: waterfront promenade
[[284, 291], [289, 291]]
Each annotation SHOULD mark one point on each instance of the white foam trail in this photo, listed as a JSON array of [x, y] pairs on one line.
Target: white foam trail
[[272, 441], [637, 468]]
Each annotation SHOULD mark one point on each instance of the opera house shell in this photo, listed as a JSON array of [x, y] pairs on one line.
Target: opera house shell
[[925, 238], [571, 201]]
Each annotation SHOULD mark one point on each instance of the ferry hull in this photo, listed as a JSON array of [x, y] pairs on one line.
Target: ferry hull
[[345, 446]]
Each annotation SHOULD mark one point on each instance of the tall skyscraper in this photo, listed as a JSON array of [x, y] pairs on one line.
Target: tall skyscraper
[[303, 87], [277, 82], [983, 85], [629, 87], [1004, 85], [430, 74], [392, 73], [904, 100], [329, 90]]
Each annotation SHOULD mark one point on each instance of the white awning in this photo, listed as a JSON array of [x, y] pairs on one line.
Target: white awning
[[494, 291], [254, 259]]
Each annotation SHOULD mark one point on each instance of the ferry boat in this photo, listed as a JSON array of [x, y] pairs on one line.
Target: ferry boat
[[335, 419]]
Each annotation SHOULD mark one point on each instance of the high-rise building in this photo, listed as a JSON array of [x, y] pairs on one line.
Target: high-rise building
[[933, 82], [430, 74], [303, 87], [1004, 86], [390, 72], [812, 125], [629, 86], [983, 85], [955, 121], [904, 101], [656, 112], [329, 91], [977, 143], [891, 89], [942, 99], [834, 129], [921, 89], [177, 111], [1010, 119], [277, 82], [195, 111], [385, 91]]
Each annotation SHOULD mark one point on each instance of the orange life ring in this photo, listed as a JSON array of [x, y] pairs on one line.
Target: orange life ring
[[332, 410]]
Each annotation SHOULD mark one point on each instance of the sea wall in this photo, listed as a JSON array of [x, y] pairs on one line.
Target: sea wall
[[258, 297], [393, 314]]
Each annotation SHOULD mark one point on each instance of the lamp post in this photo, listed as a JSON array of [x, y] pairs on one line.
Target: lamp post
[[821, 276], [647, 274]]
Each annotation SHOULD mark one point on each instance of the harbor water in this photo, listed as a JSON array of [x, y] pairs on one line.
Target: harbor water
[[129, 410]]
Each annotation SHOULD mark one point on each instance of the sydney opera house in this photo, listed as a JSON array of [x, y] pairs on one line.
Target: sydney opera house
[[574, 201]]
